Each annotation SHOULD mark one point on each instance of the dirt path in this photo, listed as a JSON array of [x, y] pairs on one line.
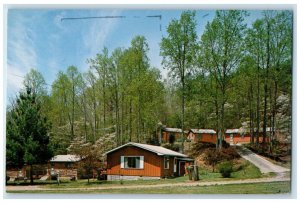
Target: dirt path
[[185, 184], [264, 165]]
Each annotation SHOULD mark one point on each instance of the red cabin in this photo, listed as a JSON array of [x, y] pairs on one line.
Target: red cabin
[[202, 135], [134, 161], [168, 134], [235, 136]]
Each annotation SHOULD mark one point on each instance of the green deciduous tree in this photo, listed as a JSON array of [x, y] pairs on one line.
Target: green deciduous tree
[[36, 82], [222, 50], [179, 50]]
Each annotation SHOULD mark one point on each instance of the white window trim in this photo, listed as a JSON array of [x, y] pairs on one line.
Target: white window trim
[[175, 165], [122, 162], [165, 164], [141, 162]]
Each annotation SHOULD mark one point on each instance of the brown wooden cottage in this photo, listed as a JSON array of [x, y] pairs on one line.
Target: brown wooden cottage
[[168, 134], [240, 136], [67, 165], [202, 135], [67, 161], [142, 161], [235, 136]]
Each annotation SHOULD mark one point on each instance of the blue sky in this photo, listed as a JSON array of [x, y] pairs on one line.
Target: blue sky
[[39, 39]]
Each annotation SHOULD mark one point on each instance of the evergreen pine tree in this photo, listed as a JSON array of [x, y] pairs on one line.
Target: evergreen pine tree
[[27, 133]]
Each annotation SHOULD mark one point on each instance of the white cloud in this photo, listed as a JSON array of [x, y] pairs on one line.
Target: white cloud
[[21, 53], [57, 21], [14, 79], [96, 36]]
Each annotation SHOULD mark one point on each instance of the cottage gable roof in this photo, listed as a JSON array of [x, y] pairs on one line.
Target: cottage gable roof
[[161, 151], [174, 130], [65, 158], [242, 130], [232, 131], [200, 131]]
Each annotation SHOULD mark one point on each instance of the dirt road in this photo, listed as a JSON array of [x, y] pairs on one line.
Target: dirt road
[[264, 165]]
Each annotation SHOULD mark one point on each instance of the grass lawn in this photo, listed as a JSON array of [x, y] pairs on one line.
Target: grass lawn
[[248, 171], [253, 188]]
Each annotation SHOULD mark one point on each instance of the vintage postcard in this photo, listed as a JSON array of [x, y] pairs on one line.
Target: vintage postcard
[[149, 101]]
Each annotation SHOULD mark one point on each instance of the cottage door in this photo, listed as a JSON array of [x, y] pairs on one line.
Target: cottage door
[[181, 168]]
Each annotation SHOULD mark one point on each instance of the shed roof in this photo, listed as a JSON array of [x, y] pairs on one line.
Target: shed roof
[[175, 130], [161, 151], [243, 130], [208, 131], [185, 159], [232, 131], [65, 158]]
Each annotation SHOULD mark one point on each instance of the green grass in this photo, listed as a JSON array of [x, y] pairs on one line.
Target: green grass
[[253, 188], [248, 171]]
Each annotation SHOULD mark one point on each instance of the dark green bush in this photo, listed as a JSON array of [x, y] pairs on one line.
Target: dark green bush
[[199, 147], [225, 169], [225, 144], [212, 157], [229, 153]]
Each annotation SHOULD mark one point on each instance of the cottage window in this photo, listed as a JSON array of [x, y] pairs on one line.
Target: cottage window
[[132, 162], [166, 162], [68, 165]]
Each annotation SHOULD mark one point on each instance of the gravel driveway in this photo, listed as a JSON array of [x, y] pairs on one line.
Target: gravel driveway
[[264, 165]]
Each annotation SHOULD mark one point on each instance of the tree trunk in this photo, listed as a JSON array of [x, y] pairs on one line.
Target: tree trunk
[[274, 109], [266, 85], [217, 121], [265, 114], [117, 118], [258, 105], [104, 108], [31, 174], [139, 119], [222, 121], [250, 98], [85, 117], [73, 108], [122, 118], [182, 115], [252, 118], [130, 126]]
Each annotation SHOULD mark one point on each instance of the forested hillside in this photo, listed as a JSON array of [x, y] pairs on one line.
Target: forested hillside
[[233, 75]]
